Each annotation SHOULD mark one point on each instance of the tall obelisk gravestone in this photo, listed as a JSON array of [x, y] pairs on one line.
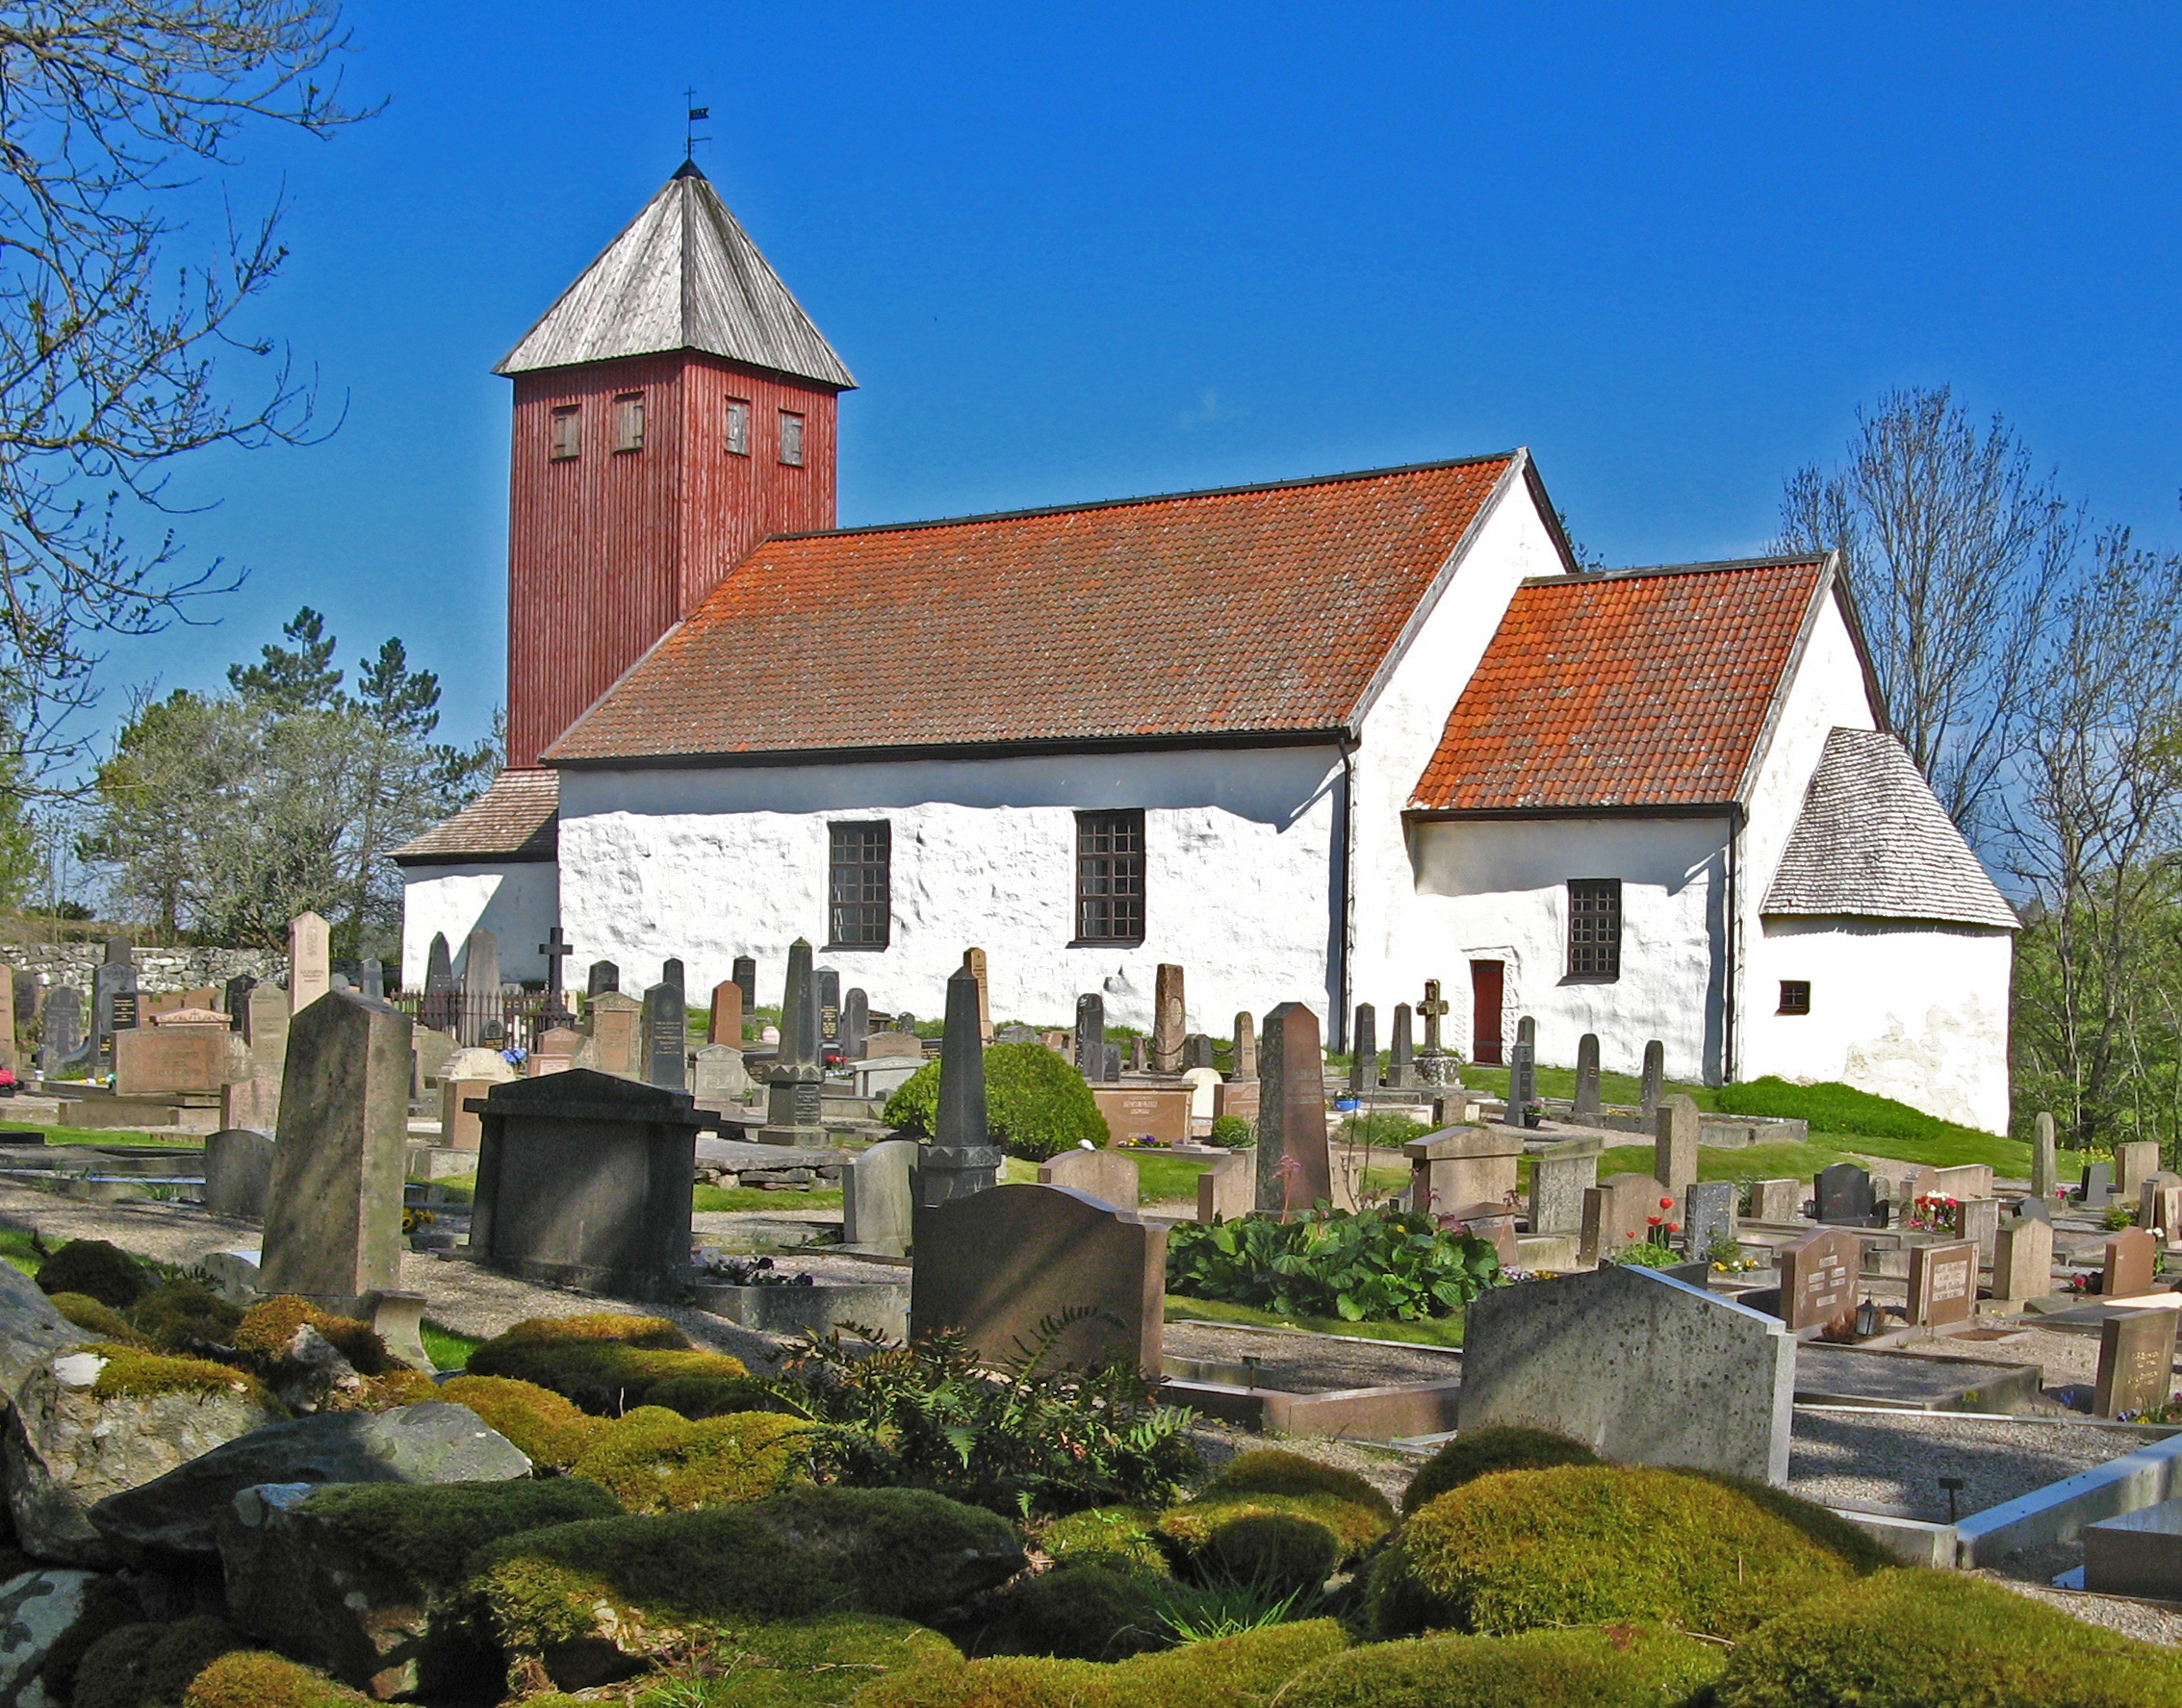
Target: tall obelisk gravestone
[[795, 1079], [962, 1159]]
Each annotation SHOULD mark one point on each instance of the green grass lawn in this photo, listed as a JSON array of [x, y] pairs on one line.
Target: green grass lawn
[[100, 1135], [16, 1248], [744, 1198], [448, 1350], [1444, 1331]]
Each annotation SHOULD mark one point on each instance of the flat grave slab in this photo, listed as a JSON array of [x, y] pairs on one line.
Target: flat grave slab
[[1910, 1382], [2138, 1553], [2085, 1314]]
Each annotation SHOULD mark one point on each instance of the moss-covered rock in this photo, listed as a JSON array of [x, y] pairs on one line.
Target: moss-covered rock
[[103, 1604], [1036, 1104], [252, 1678], [268, 1329], [129, 1372], [1246, 1671], [1086, 1613], [96, 1269], [1118, 1538], [151, 1665], [594, 1601], [551, 1429], [657, 1460], [102, 1322], [606, 1363], [1480, 1452], [179, 1314], [1355, 1529], [1909, 1638], [620, 1328], [428, 1532], [1275, 1471], [1284, 1554], [713, 1396], [1620, 1665], [1586, 1544]]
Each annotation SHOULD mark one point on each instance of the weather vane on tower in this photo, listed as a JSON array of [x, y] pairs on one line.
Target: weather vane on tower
[[689, 136]]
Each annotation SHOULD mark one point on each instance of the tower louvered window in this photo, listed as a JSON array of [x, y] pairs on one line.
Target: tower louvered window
[[791, 439], [738, 428], [1594, 928], [628, 421], [1110, 877], [568, 429]]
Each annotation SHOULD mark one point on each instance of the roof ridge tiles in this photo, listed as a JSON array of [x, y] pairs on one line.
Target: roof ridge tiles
[[1586, 578]]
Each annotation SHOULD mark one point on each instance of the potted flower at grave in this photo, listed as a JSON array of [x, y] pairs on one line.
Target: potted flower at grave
[[1533, 1113]]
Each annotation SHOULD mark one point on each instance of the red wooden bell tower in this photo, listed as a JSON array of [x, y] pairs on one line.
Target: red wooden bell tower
[[671, 409]]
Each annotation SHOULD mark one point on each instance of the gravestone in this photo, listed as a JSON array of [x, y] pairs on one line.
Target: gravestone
[[666, 1038], [333, 1210], [719, 1074], [430, 1051], [166, 1061], [1205, 1087], [1942, 1282], [1585, 1105], [795, 1081], [1109, 1176], [554, 1051], [1091, 1037], [855, 1023], [1844, 1196], [1642, 1368], [1707, 1214], [1196, 1051], [1964, 1180], [1401, 1058], [1137, 1055], [961, 1161], [603, 978], [1245, 1050], [61, 1029], [1674, 1146], [1655, 1083], [1459, 1166], [875, 1198], [238, 1173], [2023, 1258], [613, 1040], [1157, 1114], [10, 1059], [1170, 1020], [585, 1180], [437, 1010], [1112, 1065], [2045, 1169], [2031, 1209], [973, 962], [371, 980], [310, 971], [1228, 1187], [888, 1046], [2131, 1258], [2095, 1191], [1293, 1165], [114, 1006], [1560, 1174], [829, 1011], [1980, 1223], [746, 976], [2160, 1205], [464, 1077], [2136, 1363], [1364, 1041], [1437, 1064], [2134, 1163], [725, 1027], [997, 1263], [1818, 1280], [482, 1017], [25, 992], [1618, 1214], [1521, 1070]]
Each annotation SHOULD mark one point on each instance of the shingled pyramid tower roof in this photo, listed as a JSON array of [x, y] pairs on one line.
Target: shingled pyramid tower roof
[[683, 275]]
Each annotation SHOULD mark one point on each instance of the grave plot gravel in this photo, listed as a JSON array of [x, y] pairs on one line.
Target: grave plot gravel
[[1300, 1362], [2131, 1618], [1893, 1464]]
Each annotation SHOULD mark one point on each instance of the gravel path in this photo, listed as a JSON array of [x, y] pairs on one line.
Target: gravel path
[[1893, 1464]]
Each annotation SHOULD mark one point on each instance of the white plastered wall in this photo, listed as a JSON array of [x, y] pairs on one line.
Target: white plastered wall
[[516, 900], [1912, 1011], [1497, 889], [709, 863]]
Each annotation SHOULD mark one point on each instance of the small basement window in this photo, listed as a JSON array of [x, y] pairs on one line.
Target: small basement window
[[1795, 996], [738, 427], [1594, 928], [628, 421], [568, 429], [791, 439]]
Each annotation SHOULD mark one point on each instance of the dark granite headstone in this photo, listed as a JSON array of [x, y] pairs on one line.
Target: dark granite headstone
[[1111, 1074], [1654, 1085], [1295, 1168], [1521, 1070], [114, 1005], [1196, 1051], [1363, 1042], [962, 1160], [855, 1023], [1091, 1037], [238, 1173], [235, 998], [1844, 1196], [2032, 1209], [2097, 1190], [1401, 1054], [666, 1038], [585, 1180], [438, 1010], [828, 1009], [795, 1080], [671, 971], [603, 978], [1587, 1107], [63, 1028], [746, 976]]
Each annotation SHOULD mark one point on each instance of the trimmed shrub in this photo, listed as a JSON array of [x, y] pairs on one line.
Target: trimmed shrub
[[1086, 1613], [1355, 1529], [1482, 1452], [657, 1461], [1117, 1537], [1036, 1104], [1232, 1133], [176, 1314], [96, 1269], [133, 1373], [428, 1531], [270, 1325], [607, 1364], [102, 1320], [1911, 1638], [108, 1604], [1274, 1471], [141, 1665], [1615, 1666], [1273, 1550], [553, 1431], [251, 1678], [1583, 1544]]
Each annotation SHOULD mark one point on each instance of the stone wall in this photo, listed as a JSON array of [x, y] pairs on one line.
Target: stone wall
[[158, 970]]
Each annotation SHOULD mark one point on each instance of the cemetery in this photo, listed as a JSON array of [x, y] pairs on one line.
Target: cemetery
[[585, 1343]]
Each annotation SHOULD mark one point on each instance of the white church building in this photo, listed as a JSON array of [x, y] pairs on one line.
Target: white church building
[[1317, 740]]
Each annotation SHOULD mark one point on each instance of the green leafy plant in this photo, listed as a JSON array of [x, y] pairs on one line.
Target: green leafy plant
[[2119, 1216], [1221, 1606], [1380, 1265], [1036, 1105], [1232, 1133], [1646, 1254], [1029, 1435]]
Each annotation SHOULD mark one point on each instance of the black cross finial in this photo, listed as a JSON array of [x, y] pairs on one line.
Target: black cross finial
[[555, 949]]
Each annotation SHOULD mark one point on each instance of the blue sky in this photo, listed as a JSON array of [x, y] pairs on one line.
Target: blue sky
[[1071, 252]]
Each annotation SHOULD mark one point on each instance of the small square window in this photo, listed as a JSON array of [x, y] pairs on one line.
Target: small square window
[[1795, 996], [791, 439], [568, 426], [1110, 877], [738, 428], [628, 421], [1594, 928], [860, 886]]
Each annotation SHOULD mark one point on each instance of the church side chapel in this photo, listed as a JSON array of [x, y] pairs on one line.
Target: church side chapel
[[1318, 740]]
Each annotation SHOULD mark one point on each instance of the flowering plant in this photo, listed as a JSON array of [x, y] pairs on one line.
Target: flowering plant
[[1935, 1212]]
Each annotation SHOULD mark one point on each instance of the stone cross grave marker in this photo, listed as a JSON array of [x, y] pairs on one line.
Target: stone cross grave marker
[[556, 949], [725, 1025], [1640, 1368], [875, 1198], [1707, 1214], [2136, 1363], [1844, 1196], [333, 1210], [1586, 1106], [2131, 1258], [961, 1161], [998, 1262], [1109, 1176], [855, 1023], [2023, 1258], [604, 976], [2046, 1171], [1091, 1037], [1295, 1168], [666, 1038], [1432, 1010], [973, 960], [1655, 1083], [1818, 1280], [1363, 1058], [1401, 1056], [1560, 1174], [1245, 1048], [1170, 1020], [310, 971], [746, 976], [1942, 1282], [1674, 1146], [371, 978]]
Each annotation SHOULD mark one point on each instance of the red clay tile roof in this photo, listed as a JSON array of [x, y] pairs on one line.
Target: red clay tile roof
[[1641, 688], [516, 819], [1258, 610]]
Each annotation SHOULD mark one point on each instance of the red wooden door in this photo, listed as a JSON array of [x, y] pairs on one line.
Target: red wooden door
[[1486, 977]]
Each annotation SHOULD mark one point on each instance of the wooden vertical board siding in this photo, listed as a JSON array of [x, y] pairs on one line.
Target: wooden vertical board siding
[[609, 550]]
